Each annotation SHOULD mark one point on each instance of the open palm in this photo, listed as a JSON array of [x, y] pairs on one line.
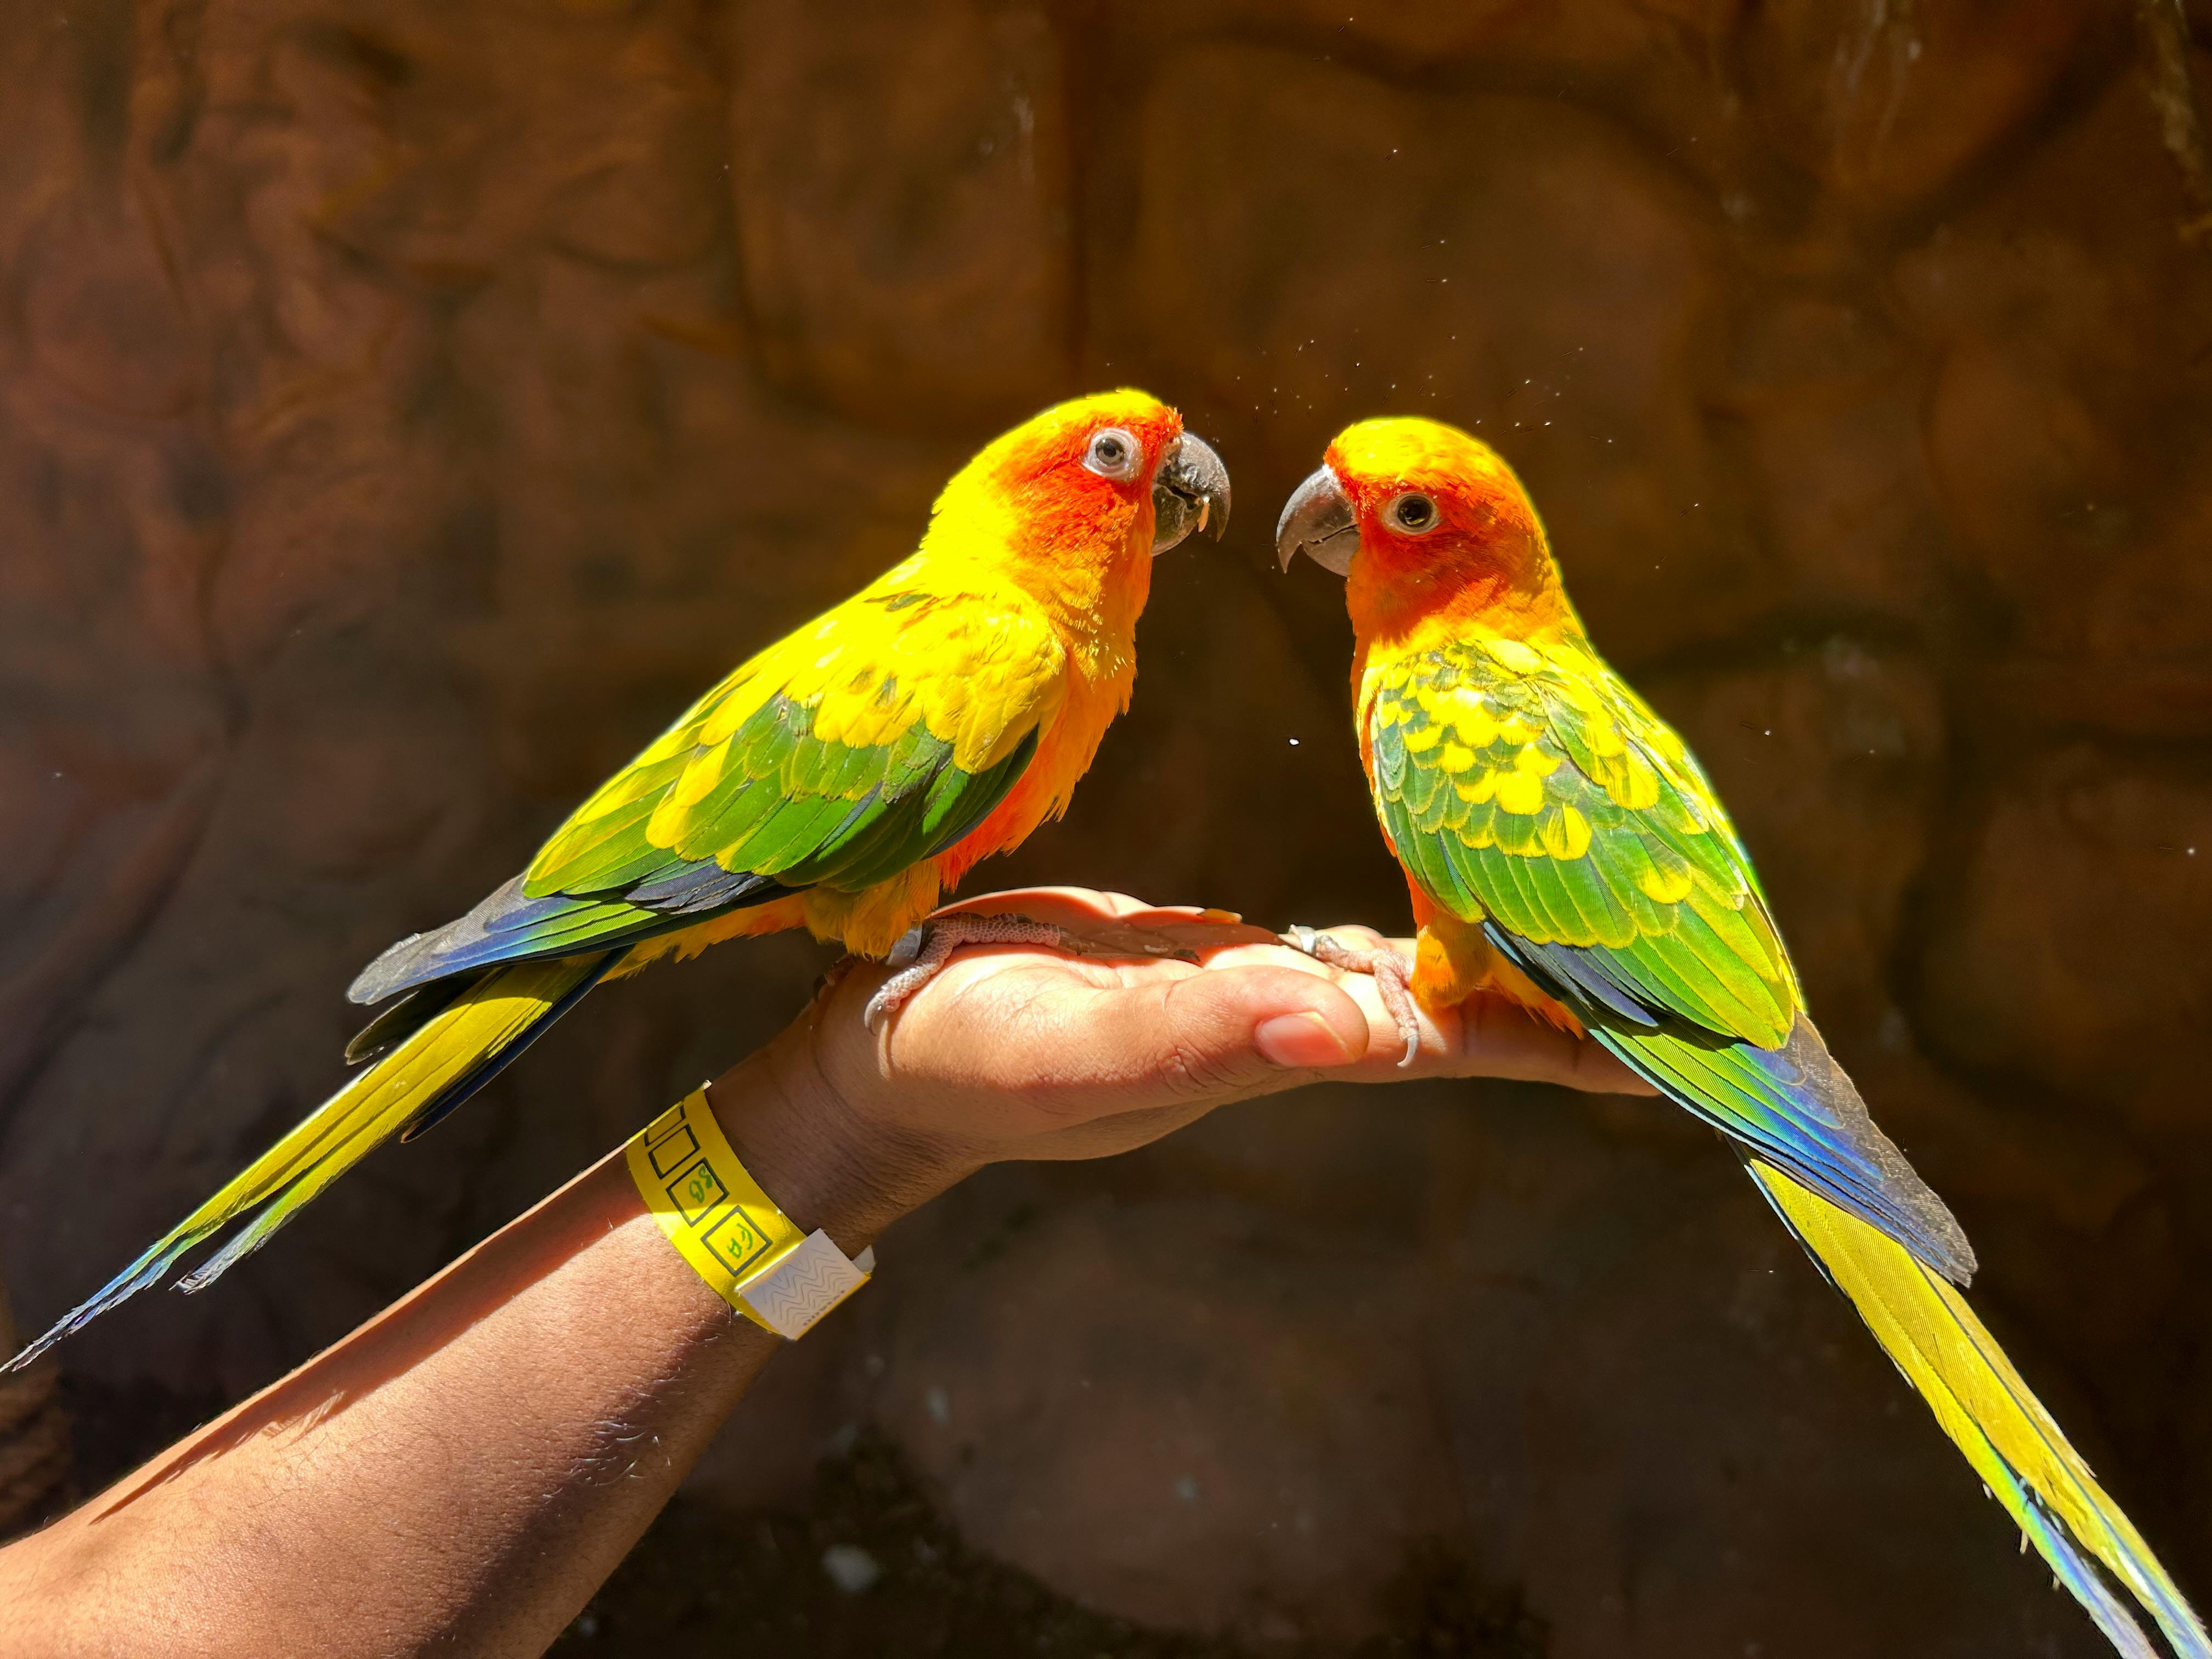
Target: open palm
[[1019, 1052]]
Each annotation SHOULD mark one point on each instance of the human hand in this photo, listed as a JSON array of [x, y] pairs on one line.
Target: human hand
[[1016, 1052]]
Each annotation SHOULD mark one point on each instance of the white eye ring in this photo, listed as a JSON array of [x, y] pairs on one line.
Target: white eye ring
[[1413, 513], [1113, 454]]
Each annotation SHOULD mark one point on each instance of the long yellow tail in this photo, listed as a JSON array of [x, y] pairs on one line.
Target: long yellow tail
[[427, 1073], [1925, 1326]]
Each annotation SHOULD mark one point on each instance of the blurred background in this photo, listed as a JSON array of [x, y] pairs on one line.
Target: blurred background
[[405, 408]]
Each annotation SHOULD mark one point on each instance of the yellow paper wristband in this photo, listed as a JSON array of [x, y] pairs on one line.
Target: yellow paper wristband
[[750, 1253]]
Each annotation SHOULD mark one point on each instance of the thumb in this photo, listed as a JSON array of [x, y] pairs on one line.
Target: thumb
[[1222, 1035]]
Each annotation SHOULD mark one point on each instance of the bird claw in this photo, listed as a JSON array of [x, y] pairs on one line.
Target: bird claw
[[1391, 972], [918, 959]]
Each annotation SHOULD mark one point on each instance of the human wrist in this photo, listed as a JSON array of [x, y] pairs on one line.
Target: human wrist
[[824, 1164]]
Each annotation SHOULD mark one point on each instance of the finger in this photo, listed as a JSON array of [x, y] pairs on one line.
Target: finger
[[1598, 1073], [1078, 907], [1064, 906], [1123, 904], [1385, 1044], [1498, 1037], [1252, 952], [1487, 1035], [1211, 1037]]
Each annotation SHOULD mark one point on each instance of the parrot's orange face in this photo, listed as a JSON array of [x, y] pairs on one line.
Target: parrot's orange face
[[1077, 483], [1423, 521]]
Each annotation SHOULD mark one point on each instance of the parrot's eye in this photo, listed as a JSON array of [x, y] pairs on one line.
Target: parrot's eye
[[1413, 512], [1113, 454]]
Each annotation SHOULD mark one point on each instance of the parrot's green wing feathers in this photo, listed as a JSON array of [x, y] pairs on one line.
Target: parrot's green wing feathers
[[1531, 791], [874, 737]]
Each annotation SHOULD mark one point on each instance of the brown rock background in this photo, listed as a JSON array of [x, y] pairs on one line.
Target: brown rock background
[[405, 407]]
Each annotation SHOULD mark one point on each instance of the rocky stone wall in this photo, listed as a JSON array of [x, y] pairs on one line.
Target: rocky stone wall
[[405, 407]]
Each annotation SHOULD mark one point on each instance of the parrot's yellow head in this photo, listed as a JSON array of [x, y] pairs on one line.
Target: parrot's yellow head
[[1088, 485], [1425, 522]]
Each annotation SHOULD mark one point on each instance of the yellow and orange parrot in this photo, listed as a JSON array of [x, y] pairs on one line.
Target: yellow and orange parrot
[[1565, 851], [839, 781]]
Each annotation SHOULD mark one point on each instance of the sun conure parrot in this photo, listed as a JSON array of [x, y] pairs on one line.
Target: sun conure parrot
[[839, 781], [1565, 851]]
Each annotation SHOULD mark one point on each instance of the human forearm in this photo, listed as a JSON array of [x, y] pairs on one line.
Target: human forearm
[[463, 1471]]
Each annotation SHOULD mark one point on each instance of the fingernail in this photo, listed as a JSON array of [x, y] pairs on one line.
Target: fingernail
[[1299, 1041]]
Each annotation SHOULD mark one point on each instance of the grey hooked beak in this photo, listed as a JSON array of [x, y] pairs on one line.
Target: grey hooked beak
[[1318, 521], [1190, 492]]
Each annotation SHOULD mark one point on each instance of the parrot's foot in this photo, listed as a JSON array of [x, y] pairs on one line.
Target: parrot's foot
[[921, 954], [1393, 975]]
